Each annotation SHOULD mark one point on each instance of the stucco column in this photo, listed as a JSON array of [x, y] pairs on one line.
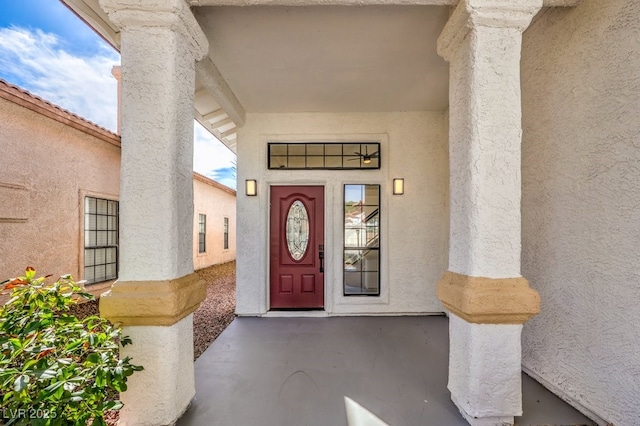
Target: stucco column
[[156, 291], [487, 297]]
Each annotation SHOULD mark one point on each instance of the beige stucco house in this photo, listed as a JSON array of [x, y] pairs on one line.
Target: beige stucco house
[[59, 196], [474, 157], [214, 222]]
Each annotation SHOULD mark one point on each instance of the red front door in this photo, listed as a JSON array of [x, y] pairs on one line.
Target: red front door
[[297, 247]]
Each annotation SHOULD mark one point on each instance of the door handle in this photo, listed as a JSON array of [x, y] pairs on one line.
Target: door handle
[[321, 256]]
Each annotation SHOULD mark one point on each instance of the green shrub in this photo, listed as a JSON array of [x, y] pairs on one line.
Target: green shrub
[[54, 368]]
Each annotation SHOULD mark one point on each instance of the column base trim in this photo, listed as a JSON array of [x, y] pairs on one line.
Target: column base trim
[[152, 302], [507, 420], [482, 300]]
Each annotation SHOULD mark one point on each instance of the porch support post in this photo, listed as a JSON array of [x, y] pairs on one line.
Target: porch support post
[[487, 297], [157, 290]]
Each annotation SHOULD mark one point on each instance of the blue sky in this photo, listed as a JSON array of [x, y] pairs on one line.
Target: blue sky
[[49, 51]]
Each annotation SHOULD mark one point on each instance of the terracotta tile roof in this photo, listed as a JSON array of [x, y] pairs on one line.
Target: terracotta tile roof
[[35, 103], [208, 181], [19, 96]]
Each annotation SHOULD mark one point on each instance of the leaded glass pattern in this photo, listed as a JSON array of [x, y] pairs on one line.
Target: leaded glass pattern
[[297, 230]]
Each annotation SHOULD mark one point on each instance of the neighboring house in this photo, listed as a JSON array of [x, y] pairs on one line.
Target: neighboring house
[[59, 204], [512, 125], [214, 222]]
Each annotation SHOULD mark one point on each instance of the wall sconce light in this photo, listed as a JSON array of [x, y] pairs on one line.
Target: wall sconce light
[[251, 187], [398, 186]]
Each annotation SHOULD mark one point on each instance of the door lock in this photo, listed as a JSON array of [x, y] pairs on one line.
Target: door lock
[[321, 256]]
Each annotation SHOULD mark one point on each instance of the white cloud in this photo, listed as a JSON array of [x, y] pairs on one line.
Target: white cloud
[[36, 61], [211, 155]]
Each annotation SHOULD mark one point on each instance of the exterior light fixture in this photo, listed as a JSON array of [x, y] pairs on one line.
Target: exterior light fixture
[[398, 186], [251, 187]]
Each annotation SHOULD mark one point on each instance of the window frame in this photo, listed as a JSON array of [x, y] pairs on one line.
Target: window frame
[[202, 233], [305, 151], [225, 241], [376, 249], [111, 229]]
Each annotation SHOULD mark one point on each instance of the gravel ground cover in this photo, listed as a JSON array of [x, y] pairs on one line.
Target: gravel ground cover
[[212, 317], [218, 309]]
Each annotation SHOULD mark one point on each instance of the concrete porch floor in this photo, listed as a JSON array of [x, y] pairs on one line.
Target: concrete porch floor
[[296, 371]]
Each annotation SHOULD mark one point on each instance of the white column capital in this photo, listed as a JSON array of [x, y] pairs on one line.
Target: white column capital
[[172, 14], [473, 14]]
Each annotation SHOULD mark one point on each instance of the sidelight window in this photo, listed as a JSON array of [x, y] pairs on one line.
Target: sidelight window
[[361, 240]]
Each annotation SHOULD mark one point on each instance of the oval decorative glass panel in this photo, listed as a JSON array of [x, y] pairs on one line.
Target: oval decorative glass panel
[[297, 230]]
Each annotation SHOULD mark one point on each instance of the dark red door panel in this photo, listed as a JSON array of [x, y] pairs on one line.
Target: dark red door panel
[[296, 246]]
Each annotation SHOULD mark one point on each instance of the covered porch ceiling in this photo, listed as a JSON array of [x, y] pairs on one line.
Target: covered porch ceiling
[[329, 58], [275, 56]]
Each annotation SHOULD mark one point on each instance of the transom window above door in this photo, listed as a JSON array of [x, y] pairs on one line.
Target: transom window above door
[[324, 156]]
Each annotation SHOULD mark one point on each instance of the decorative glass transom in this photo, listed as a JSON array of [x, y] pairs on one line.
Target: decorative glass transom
[[297, 230]]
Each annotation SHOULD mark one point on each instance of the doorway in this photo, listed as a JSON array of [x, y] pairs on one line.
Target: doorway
[[296, 242]]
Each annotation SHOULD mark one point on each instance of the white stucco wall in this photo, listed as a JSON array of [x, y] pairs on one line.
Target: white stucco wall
[[168, 350], [157, 131], [216, 202], [485, 135], [476, 366], [581, 205], [414, 226]]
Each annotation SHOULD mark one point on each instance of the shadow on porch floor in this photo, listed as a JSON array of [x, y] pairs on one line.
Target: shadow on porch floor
[[297, 371]]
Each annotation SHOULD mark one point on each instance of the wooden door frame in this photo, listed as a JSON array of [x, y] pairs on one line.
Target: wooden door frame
[[327, 262]]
